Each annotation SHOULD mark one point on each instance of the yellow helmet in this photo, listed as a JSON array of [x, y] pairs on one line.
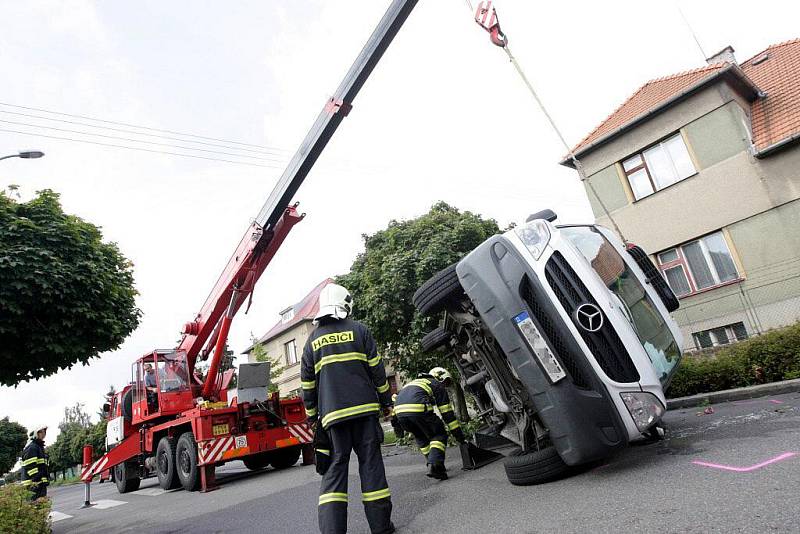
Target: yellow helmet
[[441, 374]]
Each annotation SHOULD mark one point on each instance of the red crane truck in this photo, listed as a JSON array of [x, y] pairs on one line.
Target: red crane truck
[[171, 421]]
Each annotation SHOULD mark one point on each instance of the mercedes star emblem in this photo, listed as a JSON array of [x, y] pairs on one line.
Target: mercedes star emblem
[[589, 317]]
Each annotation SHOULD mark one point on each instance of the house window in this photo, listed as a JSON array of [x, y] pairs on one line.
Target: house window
[[658, 167], [698, 265], [720, 336], [287, 315], [290, 350]]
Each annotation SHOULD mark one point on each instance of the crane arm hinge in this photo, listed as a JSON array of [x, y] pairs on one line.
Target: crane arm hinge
[[338, 106]]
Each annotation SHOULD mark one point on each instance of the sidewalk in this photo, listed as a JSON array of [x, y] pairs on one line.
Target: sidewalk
[[761, 390]]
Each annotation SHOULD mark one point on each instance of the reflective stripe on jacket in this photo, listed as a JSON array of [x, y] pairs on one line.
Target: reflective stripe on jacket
[[341, 373], [35, 464], [421, 395]]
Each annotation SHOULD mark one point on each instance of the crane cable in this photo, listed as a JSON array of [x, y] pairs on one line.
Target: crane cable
[[486, 17]]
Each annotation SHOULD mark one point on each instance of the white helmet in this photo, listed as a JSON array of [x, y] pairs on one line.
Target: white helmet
[[441, 374], [334, 301], [32, 434]]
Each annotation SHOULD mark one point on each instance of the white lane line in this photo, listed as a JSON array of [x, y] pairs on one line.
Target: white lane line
[[58, 516], [106, 503]]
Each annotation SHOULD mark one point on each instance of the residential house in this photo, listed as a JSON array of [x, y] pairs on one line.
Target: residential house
[[702, 170], [286, 340]]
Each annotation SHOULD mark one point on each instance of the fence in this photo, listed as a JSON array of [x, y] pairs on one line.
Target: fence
[[743, 309]]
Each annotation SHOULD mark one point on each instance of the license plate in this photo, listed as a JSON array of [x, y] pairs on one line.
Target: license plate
[[219, 430], [540, 348]]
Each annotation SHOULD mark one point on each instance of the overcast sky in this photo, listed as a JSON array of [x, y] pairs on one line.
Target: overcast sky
[[443, 117]]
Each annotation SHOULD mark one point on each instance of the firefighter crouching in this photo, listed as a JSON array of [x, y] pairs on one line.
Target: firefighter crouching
[[345, 390], [414, 410], [35, 475]]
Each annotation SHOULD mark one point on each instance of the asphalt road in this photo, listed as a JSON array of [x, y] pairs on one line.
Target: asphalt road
[[751, 483]]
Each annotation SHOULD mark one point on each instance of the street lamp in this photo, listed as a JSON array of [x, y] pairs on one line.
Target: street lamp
[[27, 154]]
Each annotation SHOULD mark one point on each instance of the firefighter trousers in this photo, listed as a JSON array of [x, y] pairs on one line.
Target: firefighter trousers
[[429, 433], [363, 435]]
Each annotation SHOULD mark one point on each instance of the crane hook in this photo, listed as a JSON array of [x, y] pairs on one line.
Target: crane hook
[[486, 17]]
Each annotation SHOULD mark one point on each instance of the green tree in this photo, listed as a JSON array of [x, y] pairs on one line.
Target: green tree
[[13, 437], [260, 355], [75, 431], [395, 262], [65, 296]]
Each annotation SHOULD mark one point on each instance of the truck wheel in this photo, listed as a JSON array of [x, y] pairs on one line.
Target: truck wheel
[[441, 289], [535, 468], [257, 462], [283, 458], [435, 339], [165, 464], [186, 462], [123, 479]]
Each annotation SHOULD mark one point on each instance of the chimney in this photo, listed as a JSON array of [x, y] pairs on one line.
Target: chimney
[[723, 56]]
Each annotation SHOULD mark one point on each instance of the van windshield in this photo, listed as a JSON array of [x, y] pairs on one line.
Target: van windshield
[[650, 327]]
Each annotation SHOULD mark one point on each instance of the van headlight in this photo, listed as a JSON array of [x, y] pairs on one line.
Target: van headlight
[[645, 408], [534, 235]]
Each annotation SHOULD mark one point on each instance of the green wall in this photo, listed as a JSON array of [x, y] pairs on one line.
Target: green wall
[[718, 135], [609, 188]]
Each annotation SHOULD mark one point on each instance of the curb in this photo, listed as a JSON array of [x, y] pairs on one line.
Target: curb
[[761, 390]]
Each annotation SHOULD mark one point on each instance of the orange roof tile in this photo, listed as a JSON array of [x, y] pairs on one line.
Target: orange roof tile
[[777, 116], [774, 117]]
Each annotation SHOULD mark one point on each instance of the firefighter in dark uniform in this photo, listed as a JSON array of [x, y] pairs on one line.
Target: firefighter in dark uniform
[[35, 475], [345, 390], [414, 409]]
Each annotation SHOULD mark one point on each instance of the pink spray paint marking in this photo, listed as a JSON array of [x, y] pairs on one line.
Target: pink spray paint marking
[[778, 458], [776, 401], [773, 401]]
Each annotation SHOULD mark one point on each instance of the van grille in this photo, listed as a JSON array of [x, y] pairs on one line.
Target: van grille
[[605, 344], [565, 354]]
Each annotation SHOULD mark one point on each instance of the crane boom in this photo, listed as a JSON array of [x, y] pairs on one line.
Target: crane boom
[[207, 333]]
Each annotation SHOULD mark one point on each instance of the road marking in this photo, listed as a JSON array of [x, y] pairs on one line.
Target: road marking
[[765, 463], [107, 503], [58, 516]]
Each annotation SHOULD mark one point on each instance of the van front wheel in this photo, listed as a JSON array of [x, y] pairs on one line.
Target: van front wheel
[[535, 467]]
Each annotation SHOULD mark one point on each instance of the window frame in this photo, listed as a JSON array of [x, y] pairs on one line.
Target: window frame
[[293, 343], [643, 165], [683, 262], [730, 333]]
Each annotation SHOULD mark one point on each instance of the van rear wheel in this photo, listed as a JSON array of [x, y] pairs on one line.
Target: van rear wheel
[[435, 339], [441, 290], [535, 467]]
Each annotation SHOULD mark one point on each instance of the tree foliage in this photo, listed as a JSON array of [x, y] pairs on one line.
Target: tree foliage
[[75, 431], [65, 296], [13, 437], [395, 262], [21, 516]]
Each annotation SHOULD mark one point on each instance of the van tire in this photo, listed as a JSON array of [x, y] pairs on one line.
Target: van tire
[[535, 467], [438, 292], [435, 339]]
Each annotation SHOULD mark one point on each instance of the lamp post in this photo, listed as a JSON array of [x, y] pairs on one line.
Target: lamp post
[[28, 154]]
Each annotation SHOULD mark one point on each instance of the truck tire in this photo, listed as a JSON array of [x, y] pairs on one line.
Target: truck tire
[[256, 462], [435, 339], [186, 462], [127, 405], [655, 277], [438, 292], [536, 467], [166, 470], [123, 479], [283, 458]]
